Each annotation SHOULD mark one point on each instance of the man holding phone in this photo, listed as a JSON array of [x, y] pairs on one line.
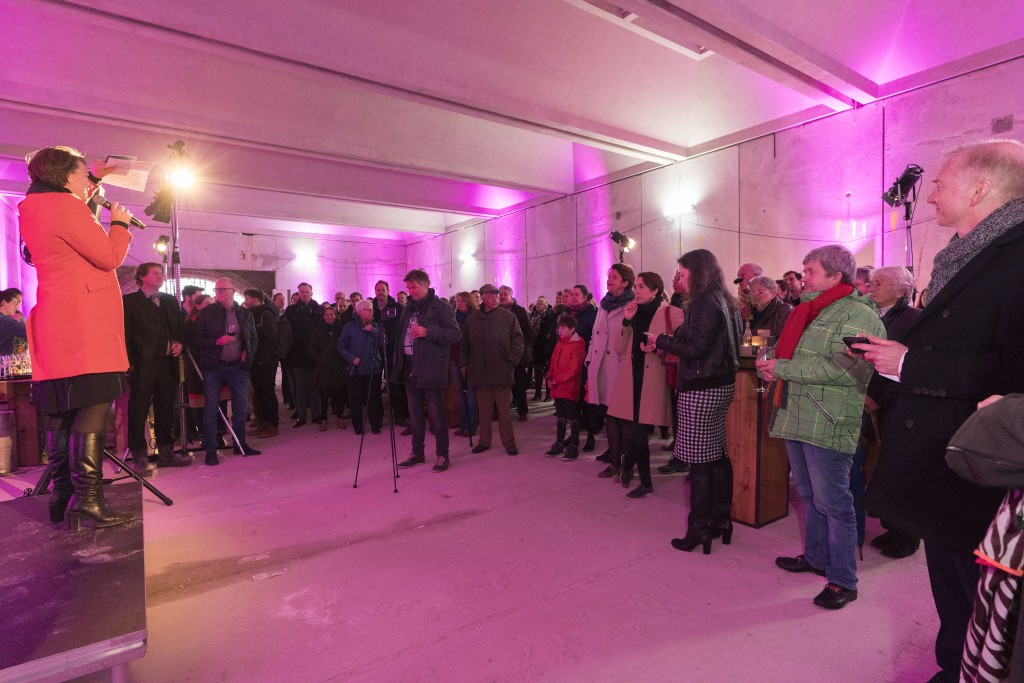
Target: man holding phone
[[225, 337]]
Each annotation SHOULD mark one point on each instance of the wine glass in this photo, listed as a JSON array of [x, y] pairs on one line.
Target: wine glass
[[764, 353]]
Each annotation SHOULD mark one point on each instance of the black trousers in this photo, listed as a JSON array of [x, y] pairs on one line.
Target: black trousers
[[364, 393], [333, 397], [520, 389], [954, 579], [635, 446], [153, 382], [264, 398]]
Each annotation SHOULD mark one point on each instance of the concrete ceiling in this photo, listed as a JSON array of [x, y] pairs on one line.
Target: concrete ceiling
[[390, 120]]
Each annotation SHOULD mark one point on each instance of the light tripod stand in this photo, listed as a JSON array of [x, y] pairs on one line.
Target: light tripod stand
[[377, 352]]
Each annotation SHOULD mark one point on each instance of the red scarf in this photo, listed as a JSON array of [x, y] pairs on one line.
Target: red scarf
[[803, 315], [796, 323]]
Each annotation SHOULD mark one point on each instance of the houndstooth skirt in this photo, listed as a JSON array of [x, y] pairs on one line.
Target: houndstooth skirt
[[700, 436]]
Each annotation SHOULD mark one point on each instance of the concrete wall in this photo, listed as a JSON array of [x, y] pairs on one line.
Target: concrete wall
[[769, 200]]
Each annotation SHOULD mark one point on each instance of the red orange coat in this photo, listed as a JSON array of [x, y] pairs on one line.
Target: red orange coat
[[77, 325], [565, 370]]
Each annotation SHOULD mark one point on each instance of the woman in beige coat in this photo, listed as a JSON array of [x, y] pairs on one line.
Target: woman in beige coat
[[641, 397]]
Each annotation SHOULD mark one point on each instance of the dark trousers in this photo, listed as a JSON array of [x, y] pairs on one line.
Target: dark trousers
[[568, 413], [519, 389], [236, 379], [539, 372], [616, 431], [488, 397], [264, 398], [153, 382], [636, 449], [397, 398], [306, 396], [286, 386], [954, 579], [424, 403], [364, 393], [332, 397]]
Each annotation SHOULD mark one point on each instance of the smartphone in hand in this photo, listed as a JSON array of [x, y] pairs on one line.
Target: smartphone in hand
[[850, 341]]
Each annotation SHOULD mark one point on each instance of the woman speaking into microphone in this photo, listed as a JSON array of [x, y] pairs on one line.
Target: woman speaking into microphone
[[76, 330]]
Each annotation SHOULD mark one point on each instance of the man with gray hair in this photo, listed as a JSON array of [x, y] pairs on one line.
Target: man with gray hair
[[770, 312], [746, 273], [967, 344], [818, 390]]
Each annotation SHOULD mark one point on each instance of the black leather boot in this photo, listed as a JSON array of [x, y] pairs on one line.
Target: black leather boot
[[721, 490], [57, 455], [88, 503], [572, 443], [698, 532]]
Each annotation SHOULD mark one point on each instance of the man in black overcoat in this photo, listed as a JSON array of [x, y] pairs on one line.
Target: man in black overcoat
[[967, 344]]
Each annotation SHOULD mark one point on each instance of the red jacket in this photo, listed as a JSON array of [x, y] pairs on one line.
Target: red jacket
[[565, 371], [77, 325]]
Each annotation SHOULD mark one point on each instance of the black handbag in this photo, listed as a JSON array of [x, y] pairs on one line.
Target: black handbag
[[988, 449]]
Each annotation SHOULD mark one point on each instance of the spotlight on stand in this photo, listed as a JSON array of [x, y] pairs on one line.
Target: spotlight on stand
[[898, 194], [625, 243], [162, 245]]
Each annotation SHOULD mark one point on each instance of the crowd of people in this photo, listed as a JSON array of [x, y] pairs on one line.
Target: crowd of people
[[862, 374]]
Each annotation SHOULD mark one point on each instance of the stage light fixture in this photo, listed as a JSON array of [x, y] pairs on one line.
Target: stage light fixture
[[625, 243], [162, 245], [899, 193]]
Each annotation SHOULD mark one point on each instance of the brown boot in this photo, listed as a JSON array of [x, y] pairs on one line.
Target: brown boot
[[166, 457], [140, 463], [270, 430], [256, 426]]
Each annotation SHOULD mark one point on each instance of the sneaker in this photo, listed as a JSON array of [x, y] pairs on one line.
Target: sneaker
[[674, 466], [609, 472], [441, 465], [570, 453], [412, 460], [797, 565], [557, 448], [835, 597]]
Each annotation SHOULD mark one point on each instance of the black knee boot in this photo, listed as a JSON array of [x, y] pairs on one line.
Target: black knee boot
[[559, 445], [88, 503], [57, 455], [721, 485], [698, 531]]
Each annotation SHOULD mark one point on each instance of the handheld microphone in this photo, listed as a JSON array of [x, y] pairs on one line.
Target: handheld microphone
[[100, 200]]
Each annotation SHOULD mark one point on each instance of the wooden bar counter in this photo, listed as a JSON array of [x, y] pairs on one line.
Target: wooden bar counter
[[30, 437], [759, 462]]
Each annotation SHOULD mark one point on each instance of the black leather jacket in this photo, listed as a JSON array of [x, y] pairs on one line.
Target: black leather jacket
[[707, 343]]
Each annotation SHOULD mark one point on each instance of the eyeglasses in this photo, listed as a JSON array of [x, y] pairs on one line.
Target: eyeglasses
[[223, 289]]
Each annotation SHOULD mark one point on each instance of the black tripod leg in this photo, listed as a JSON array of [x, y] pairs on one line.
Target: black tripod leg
[[152, 489], [43, 485]]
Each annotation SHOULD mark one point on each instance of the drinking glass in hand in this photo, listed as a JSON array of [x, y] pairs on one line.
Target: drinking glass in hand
[[232, 330], [764, 353]]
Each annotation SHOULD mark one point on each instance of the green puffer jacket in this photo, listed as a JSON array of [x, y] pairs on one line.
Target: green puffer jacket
[[825, 386]]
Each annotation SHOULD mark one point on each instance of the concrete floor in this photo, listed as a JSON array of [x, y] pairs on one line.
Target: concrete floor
[[274, 568]]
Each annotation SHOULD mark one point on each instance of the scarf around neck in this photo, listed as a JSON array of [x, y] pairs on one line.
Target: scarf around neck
[[803, 315], [609, 303], [960, 250]]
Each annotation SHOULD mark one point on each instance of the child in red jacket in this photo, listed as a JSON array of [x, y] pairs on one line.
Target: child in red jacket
[[564, 375]]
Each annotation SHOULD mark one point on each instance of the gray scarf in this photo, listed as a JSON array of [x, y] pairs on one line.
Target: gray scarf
[[960, 250]]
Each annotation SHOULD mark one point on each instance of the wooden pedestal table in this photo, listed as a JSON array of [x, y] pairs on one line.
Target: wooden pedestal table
[[31, 440], [759, 462]]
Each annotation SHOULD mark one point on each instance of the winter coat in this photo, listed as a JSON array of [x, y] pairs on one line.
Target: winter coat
[[266, 317], [77, 325], [304, 318], [773, 317], [527, 330], [492, 345], [565, 370], [707, 343], [330, 366], [656, 404], [542, 324], [356, 342], [602, 359], [430, 369], [211, 324], [825, 386]]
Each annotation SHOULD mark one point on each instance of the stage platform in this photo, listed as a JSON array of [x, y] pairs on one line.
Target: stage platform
[[72, 603]]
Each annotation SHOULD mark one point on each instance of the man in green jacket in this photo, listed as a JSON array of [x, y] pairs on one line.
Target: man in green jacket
[[819, 395]]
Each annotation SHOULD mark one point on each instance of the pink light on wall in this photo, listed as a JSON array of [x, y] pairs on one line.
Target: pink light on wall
[[493, 198]]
